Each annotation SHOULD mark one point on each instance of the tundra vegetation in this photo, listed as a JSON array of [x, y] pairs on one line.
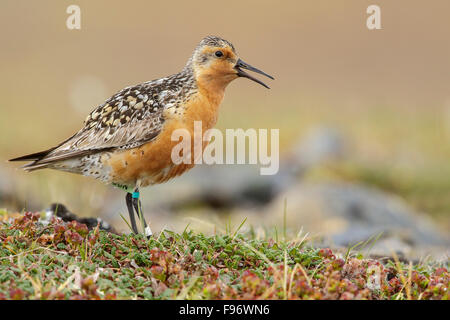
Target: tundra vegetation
[[66, 260]]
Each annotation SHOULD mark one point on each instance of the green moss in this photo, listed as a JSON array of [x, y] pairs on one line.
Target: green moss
[[38, 262]]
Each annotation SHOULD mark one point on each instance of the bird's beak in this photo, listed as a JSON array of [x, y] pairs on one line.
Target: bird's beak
[[241, 73]]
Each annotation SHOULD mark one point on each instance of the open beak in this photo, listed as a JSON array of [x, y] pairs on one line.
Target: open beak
[[241, 73]]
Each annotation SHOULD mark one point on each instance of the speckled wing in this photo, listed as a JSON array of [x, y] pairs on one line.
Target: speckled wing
[[128, 119]]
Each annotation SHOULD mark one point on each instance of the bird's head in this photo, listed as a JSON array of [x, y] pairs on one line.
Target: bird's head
[[215, 64]]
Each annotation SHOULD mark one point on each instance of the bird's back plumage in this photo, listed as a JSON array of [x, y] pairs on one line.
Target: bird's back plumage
[[130, 118]]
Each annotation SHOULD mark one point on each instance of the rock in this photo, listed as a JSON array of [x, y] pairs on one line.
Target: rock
[[345, 214], [62, 212], [320, 145]]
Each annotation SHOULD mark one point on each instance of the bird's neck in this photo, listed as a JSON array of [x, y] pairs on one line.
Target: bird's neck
[[213, 89], [208, 83], [204, 104]]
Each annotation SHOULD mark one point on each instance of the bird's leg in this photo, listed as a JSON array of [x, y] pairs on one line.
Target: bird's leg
[[129, 201], [138, 207]]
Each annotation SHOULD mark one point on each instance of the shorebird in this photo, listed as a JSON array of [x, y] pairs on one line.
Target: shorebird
[[126, 141]]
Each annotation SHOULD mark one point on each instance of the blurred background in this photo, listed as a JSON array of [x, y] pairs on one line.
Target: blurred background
[[364, 116]]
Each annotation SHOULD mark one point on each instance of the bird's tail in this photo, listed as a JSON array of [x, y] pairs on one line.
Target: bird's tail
[[35, 158]]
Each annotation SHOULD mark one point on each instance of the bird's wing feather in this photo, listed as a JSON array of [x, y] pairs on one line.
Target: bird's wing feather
[[128, 119]]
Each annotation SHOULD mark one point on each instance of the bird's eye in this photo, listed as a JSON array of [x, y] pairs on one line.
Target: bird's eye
[[219, 54]]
